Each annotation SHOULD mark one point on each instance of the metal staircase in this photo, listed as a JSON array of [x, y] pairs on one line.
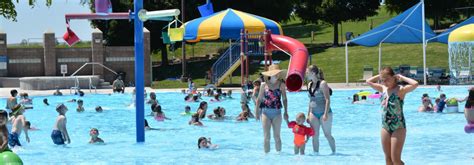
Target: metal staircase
[[226, 64]]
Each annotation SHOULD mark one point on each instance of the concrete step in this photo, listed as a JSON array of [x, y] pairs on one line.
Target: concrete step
[[9, 82], [101, 80]]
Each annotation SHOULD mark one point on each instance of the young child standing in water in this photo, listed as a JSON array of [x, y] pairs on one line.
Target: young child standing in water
[[60, 135], [302, 133]]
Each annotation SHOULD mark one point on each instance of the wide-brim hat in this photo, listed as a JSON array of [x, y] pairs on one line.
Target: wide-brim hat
[[274, 70]]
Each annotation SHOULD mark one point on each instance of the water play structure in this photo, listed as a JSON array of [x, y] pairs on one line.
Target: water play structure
[[460, 45], [139, 16], [248, 35]]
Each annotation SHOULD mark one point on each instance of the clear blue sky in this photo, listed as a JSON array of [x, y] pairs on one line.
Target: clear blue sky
[[33, 22]]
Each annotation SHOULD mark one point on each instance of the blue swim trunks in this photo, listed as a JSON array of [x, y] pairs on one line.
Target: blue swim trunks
[[13, 139], [57, 137]]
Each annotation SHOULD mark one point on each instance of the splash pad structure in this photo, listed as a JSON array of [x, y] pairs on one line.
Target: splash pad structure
[[460, 45], [138, 16]]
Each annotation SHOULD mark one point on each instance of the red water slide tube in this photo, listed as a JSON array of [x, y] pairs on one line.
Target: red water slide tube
[[298, 59]]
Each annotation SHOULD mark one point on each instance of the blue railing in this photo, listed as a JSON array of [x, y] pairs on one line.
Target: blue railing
[[225, 61]]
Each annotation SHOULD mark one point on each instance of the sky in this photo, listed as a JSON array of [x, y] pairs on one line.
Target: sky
[[33, 22]]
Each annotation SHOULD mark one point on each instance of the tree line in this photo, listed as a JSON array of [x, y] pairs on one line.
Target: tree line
[[333, 12]]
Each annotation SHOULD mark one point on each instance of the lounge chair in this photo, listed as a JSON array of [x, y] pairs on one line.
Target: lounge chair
[[436, 75], [419, 74], [405, 70], [368, 73], [464, 75], [413, 71]]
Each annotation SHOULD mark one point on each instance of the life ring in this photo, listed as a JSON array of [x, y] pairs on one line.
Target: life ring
[[8, 157], [375, 96], [364, 93]]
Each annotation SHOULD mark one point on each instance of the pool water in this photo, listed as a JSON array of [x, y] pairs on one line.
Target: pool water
[[432, 138]]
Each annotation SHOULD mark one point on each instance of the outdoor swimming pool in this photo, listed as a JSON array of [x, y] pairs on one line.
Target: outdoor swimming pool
[[431, 138]]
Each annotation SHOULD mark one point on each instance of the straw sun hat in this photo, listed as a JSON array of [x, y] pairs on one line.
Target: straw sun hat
[[275, 70]]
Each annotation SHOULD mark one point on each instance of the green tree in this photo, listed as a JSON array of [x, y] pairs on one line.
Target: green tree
[[437, 10], [7, 8], [335, 11]]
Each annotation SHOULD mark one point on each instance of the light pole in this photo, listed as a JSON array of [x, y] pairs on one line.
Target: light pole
[[183, 48]]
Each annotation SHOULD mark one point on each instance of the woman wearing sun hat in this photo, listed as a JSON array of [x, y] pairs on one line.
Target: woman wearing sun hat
[[270, 99]]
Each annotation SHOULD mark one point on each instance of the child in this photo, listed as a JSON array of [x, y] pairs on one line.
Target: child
[[25, 100], [18, 126], [216, 98], [426, 106], [442, 103], [243, 116], [219, 114], [187, 111], [202, 109], [355, 98], [4, 131], [300, 131], [437, 101], [28, 126], [159, 114], [57, 92], [206, 143], [45, 101], [98, 109], [229, 93], [12, 101], [246, 108], [94, 133], [152, 99], [80, 107], [195, 120], [60, 135]]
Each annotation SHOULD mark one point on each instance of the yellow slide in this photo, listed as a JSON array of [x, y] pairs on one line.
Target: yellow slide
[[228, 72]]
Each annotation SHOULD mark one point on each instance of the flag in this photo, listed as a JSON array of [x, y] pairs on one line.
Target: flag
[[206, 9], [70, 37]]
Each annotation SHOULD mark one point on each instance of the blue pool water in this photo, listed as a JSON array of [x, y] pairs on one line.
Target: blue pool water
[[431, 138]]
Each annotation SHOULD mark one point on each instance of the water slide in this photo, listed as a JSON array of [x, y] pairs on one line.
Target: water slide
[[298, 60]]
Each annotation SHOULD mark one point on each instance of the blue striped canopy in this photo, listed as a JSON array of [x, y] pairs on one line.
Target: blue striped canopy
[[227, 24]]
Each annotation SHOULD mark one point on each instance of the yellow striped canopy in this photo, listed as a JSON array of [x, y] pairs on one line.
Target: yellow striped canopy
[[227, 24]]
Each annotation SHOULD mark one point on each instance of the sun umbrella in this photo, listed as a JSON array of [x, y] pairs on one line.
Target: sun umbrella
[[227, 24]]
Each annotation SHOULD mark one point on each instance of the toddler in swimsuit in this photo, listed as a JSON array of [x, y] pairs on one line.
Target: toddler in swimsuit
[[300, 131]]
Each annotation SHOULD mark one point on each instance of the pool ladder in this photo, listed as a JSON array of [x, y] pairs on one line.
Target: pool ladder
[[76, 86]]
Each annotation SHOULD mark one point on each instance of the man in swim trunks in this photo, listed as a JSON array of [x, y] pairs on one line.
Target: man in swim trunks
[[19, 123], [118, 85], [60, 135]]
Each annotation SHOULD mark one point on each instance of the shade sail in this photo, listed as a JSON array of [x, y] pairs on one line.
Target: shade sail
[[404, 28]]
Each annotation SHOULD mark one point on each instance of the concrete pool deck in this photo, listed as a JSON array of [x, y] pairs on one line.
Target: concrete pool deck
[[5, 92]]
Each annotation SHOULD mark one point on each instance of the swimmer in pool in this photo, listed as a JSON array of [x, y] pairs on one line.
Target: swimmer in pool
[[159, 114], [45, 101], [99, 109], [94, 133], [29, 127], [80, 106], [219, 114], [205, 143], [12, 101], [195, 120]]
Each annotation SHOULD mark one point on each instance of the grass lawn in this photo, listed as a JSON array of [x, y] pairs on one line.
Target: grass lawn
[[330, 59]]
